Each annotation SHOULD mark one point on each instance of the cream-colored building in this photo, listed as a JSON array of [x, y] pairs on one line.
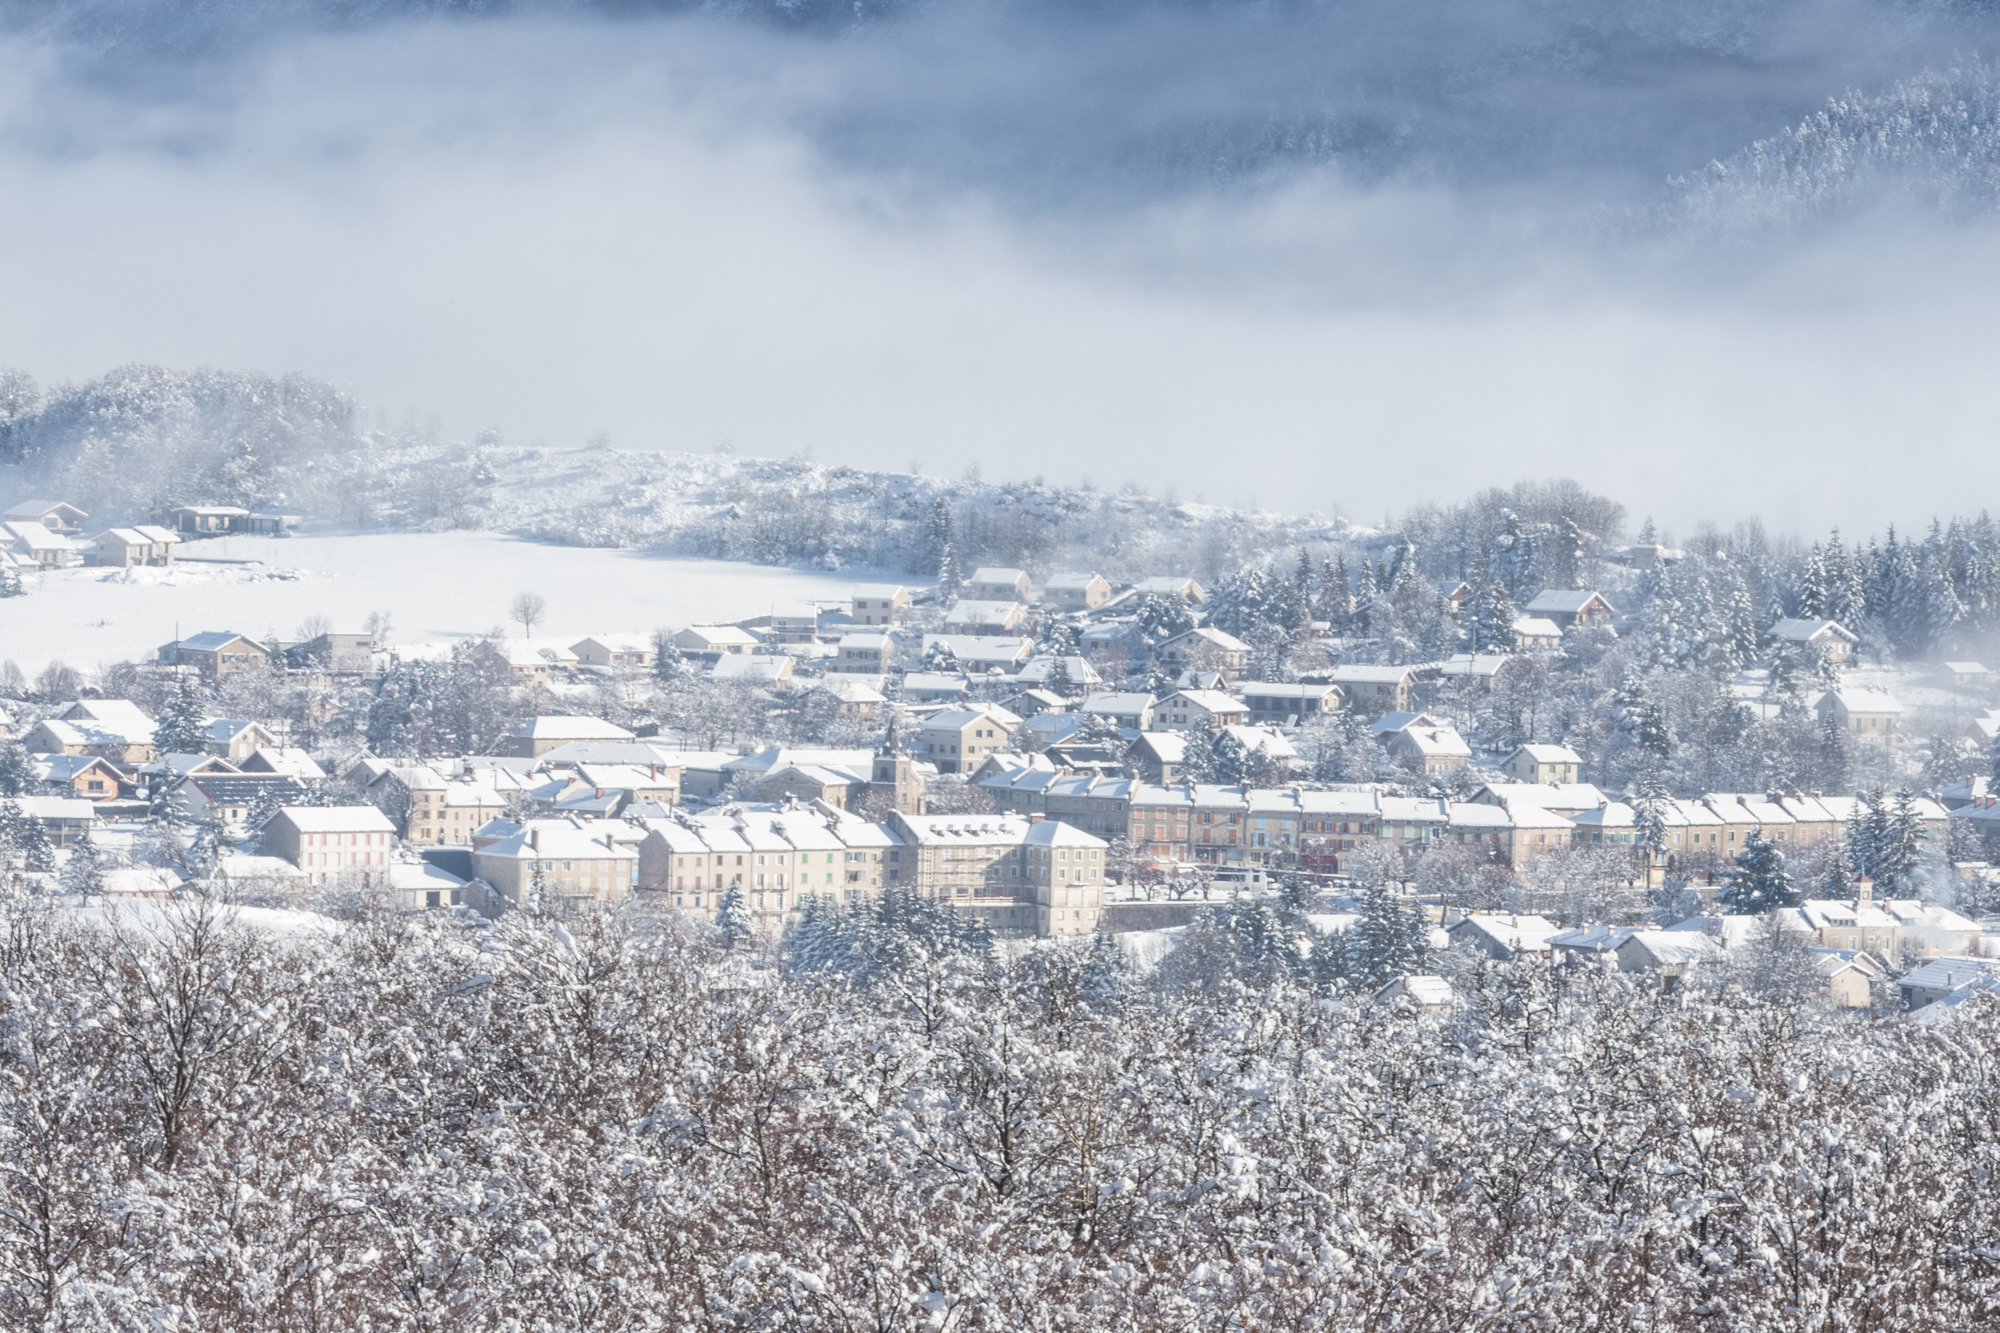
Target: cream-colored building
[[1543, 763], [333, 842]]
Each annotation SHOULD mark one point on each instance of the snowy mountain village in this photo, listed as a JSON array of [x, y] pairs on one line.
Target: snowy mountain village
[[1059, 754]]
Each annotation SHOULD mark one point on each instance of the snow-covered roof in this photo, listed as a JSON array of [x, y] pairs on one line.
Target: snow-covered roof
[[1070, 582], [567, 727], [116, 715], [1966, 668], [1228, 643], [1550, 754], [1537, 627], [1806, 631], [209, 641], [1518, 933], [1439, 742], [1369, 675], [1856, 700], [1668, 948], [995, 574], [1113, 704], [1430, 992], [1564, 601], [335, 818], [1210, 701], [952, 719], [1390, 723], [40, 509]]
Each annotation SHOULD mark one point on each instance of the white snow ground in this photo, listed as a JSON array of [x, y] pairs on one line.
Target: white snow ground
[[433, 585]]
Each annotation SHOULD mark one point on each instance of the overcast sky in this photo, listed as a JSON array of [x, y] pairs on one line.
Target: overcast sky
[[953, 243]]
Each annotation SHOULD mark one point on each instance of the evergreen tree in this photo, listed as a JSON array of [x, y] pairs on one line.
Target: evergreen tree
[[1836, 755], [17, 775], [1815, 594], [1846, 589], [1514, 557], [1649, 810], [1336, 597], [950, 579], [1233, 760], [183, 726], [1059, 682], [1759, 883], [1198, 759], [1163, 618], [1494, 617], [263, 807], [669, 663], [32, 837], [1107, 976], [83, 873], [1331, 963], [1868, 833], [732, 918], [1993, 767], [211, 842], [1389, 942], [1564, 556], [1639, 715], [940, 533], [1902, 846]]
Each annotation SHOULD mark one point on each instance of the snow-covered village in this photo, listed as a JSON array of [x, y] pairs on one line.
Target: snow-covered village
[[1005, 906]]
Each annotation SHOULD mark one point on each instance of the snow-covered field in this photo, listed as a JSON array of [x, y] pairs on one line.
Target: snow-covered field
[[432, 585]]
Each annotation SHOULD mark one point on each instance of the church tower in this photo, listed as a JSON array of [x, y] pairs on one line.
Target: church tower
[[895, 773]]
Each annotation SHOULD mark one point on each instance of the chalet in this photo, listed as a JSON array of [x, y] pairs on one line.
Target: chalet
[[236, 739], [1537, 634], [984, 617], [1076, 592], [217, 654], [1184, 710], [715, 640], [54, 515], [1671, 954], [1433, 749], [615, 650], [1024, 703], [1963, 674], [1941, 976], [1543, 763], [1568, 607], [1295, 704], [1503, 936], [119, 743], [1865, 712], [1374, 690], [862, 654], [880, 603], [1827, 637], [85, 777], [1129, 712], [1384, 728], [38, 546], [858, 699], [1205, 649], [998, 585], [141, 545], [1159, 756], [956, 739]]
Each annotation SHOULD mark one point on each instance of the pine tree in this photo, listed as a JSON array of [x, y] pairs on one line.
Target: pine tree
[[263, 808], [183, 726], [1336, 596], [732, 918], [1902, 846], [32, 837], [211, 842], [83, 873], [1493, 624], [1836, 755], [17, 776], [1759, 883], [1198, 759], [1993, 767], [950, 580], [1640, 716], [1059, 682], [669, 664], [1514, 557], [1815, 594], [1649, 810], [1390, 942], [940, 533]]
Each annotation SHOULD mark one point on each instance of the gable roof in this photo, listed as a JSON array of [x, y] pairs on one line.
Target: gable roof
[[1805, 631], [211, 640], [569, 727], [1566, 601]]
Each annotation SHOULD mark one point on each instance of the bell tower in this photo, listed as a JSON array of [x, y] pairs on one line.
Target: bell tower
[[895, 773]]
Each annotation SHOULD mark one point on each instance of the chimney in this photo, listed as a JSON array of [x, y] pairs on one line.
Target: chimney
[[535, 839]]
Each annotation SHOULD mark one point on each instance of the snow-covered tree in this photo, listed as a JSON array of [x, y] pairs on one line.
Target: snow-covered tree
[[732, 918], [183, 723], [1759, 882]]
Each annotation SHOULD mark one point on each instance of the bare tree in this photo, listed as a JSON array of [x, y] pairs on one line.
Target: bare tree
[[528, 608]]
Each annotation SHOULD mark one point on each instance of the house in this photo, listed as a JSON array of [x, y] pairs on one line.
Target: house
[[1941, 976], [1427, 995], [1568, 607], [991, 584], [333, 842], [54, 515], [1822, 636], [83, 776], [1964, 674], [1025, 703], [38, 546], [539, 735], [65, 819], [523, 659], [1159, 756], [615, 650], [1037, 671], [1670, 953], [421, 886], [1076, 592], [1478, 670], [715, 640], [956, 739], [1171, 586], [569, 862], [771, 672], [1851, 977], [1589, 941], [287, 759], [141, 545], [1205, 649], [210, 520], [231, 796], [1296, 705], [217, 654], [930, 687], [984, 617], [863, 654], [796, 622], [236, 739], [266, 879], [1537, 634], [1128, 712], [1373, 690], [858, 699], [1184, 710], [837, 786], [1873, 713], [60, 736], [1503, 936], [980, 654], [1563, 798], [1385, 728], [344, 653], [880, 603], [1543, 763], [1433, 749]]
